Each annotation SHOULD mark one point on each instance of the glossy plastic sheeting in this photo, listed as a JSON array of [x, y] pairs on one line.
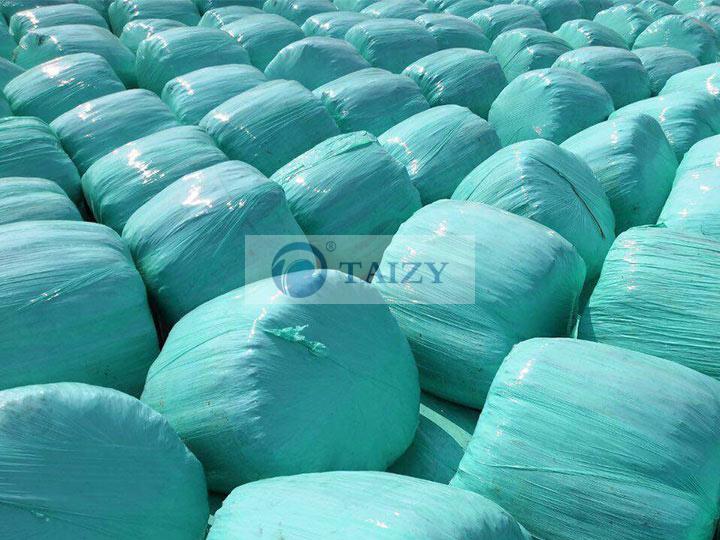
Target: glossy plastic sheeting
[[7, 43], [136, 31], [270, 125], [251, 352], [583, 441], [555, 12], [582, 33], [333, 23], [451, 31], [125, 179], [122, 12], [644, 296], [360, 505], [34, 199], [495, 20], [219, 17], [686, 6], [298, 11], [53, 88], [24, 21], [263, 36], [396, 9], [627, 20], [10, 7], [101, 6], [657, 9], [709, 15], [466, 8], [82, 461], [683, 32], [693, 206], [63, 317], [8, 71], [526, 49], [593, 7], [526, 280], [702, 78], [205, 5], [661, 63], [439, 147]]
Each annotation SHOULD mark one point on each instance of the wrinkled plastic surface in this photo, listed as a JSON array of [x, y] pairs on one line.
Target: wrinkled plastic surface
[[34, 199], [348, 367], [270, 125], [439, 147], [683, 32], [703, 78], [526, 49], [7, 42], [263, 36], [466, 8], [555, 12], [593, 7], [122, 12], [704, 154], [709, 15], [352, 5], [451, 31], [686, 6], [693, 206], [206, 5], [657, 9], [579, 440], [219, 17], [10, 7], [82, 461], [8, 71], [497, 19], [661, 63], [24, 21], [396, 9], [582, 33], [526, 279], [333, 23], [136, 31], [101, 6], [627, 20], [63, 317], [298, 11]]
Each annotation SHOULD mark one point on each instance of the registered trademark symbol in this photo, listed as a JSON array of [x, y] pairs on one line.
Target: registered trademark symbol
[[331, 246]]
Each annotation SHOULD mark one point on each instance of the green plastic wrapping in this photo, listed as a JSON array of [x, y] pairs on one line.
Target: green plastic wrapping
[[683, 32], [53, 88], [93, 129], [497, 19], [593, 7], [396, 9], [451, 31], [525, 49], [34, 199], [7, 42], [588, 441], [188, 241], [5, 110], [686, 6], [702, 79], [81, 461], [358, 506], [206, 5], [263, 36], [657, 9], [193, 95], [693, 206], [439, 147], [314, 61], [24, 21], [333, 23], [391, 44], [464, 77], [627, 20], [122, 12], [633, 161], [555, 12], [371, 100], [101, 6], [125, 179], [171, 53], [135, 32], [701, 156], [219, 17], [298, 11], [28, 147], [661, 63], [10, 7], [544, 104], [708, 15], [466, 8], [251, 352], [581, 33], [8, 71], [270, 124], [63, 317]]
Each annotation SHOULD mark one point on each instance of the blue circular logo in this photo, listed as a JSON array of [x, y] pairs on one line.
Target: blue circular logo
[[299, 269]]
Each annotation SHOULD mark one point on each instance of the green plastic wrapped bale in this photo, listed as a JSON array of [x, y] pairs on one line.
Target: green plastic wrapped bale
[[314, 61], [526, 49], [171, 53], [555, 12], [391, 44], [686, 117], [5, 110], [298, 11], [396, 9], [45, 44], [582, 33], [333, 23], [466, 8], [544, 104], [361, 505], [270, 125], [702, 79], [342, 360], [188, 241], [122, 12], [633, 161], [645, 302], [451, 31], [53, 88], [28, 147], [703, 155], [464, 77], [24, 21], [135, 32], [523, 280], [34, 199], [263, 36], [8, 71], [686, 6], [101, 6], [219, 17], [352, 5], [93, 129], [497, 19], [593, 7], [657, 9], [595, 442], [350, 185], [82, 461], [193, 95], [683, 32], [693, 206], [627, 20], [63, 319], [125, 179], [11, 7], [371, 100], [207, 5], [708, 15], [443, 434], [7, 42], [661, 63], [439, 147]]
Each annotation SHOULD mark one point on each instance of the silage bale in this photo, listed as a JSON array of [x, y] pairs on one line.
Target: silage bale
[[126, 178], [708, 15], [702, 79], [263, 36], [24, 21], [661, 63], [633, 161], [82, 461], [101, 6], [391, 44], [627, 20], [555, 12], [685, 6], [466, 8], [701, 156], [7, 43], [5, 110], [34, 199], [581, 33], [11, 7], [526, 49], [219, 17], [122, 12], [193, 95], [206, 5], [682, 32], [396, 9], [657, 9], [497, 19], [693, 206], [333, 23], [53, 88], [451, 31], [135, 32], [352, 5], [351, 369], [593, 7], [298, 11], [544, 104], [464, 77], [63, 317], [556, 407], [359, 504], [270, 124], [171, 53], [439, 147], [8, 71]]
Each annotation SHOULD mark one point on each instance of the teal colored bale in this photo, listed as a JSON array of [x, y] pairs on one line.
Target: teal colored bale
[[451, 31], [593, 7], [34, 199], [207, 5], [63, 317], [263, 36], [7, 42], [693, 206], [333, 23], [219, 17], [9, 7], [657, 9], [298, 11], [683, 32], [578, 439], [5, 110], [686, 6], [702, 79], [627, 20], [352, 5], [343, 361], [581, 33], [81, 461], [466, 8], [135, 32], [661, 63], [8, 71], [526, 49], [24, 21], [121, 12], [555, 12], [703, 155], [101, 6], [396, 9], [708, 15], [497, 19]]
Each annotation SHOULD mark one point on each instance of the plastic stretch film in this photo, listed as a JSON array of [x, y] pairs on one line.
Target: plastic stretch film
[[333, 23], [627, 20], [206, 5], [298, 11], [101, 6], [82, 461], [555, 12], [593, 7], [352, 5], [526, 49], [7, 42], [451, 31], [704, 154], [343, 361], [540, 448], [661, 63], [693, 206], [683, 32], [657, 9], [8, 71], [708, 15], [526, 280], [34, 199], [497, 19], [396, 9], [122, 12], [10, 7], [466, 8], [219, 17], [24, 21], [135, 32], [582, 33], [686, 6], [263, 36], [703, 78], [5, 110]]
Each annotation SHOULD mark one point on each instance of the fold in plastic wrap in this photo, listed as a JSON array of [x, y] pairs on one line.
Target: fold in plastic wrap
[[451, 31], [683, 32], [627, 20], [298, 11], [497, 19], [34, 199], [702, 78], [555, 12], [661, 63], [396, 9], [333, 23], [122, 12], [135, 32], [219, 17], [581, 33], [526, 49], [24, 21], [263, 36]]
